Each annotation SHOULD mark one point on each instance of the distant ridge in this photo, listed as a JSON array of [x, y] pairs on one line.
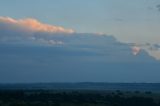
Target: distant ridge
[[83, 86]]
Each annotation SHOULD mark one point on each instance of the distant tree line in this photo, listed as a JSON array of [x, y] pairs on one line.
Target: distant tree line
[[75, 98]]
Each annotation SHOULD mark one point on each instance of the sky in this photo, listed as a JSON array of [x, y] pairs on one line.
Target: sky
[[128, 20], [90, 34]]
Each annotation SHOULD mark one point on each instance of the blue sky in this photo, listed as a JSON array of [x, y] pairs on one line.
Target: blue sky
[[69, 40], [128, 20]]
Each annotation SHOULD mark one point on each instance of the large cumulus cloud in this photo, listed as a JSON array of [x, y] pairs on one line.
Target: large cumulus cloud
[[77, 56], [32, 32]]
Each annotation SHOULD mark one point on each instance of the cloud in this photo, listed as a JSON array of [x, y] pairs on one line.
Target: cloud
[[136, 50], [30, 30], [35, 25], [33, 32], [158, 7], [153, 49]]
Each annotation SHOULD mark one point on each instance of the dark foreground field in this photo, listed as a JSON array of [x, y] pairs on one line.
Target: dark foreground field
[[78, 98]]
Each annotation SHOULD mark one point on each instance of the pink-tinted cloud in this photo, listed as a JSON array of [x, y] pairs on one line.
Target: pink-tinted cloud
[[135, 50], [35, 25], [30, 30]]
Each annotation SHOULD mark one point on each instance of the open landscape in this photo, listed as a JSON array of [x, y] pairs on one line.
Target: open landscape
[[80, 94]]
